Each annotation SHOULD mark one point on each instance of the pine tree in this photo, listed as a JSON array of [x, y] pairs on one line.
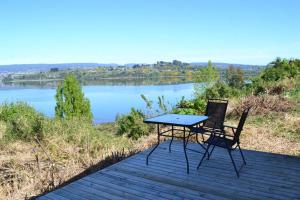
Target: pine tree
[[70, 100]]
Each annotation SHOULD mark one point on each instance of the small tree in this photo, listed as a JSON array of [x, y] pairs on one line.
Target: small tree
[[206, 77], [208, 74], [234, 77], [70, 100]]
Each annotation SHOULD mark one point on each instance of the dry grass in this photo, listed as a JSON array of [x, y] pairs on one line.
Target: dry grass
[[264, 139], [28, 169], [273, 124], [262, 105]]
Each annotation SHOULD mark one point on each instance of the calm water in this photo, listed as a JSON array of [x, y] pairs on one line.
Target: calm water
[[106, 101]]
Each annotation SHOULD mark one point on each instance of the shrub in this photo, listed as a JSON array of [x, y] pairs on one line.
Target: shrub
[[193, 107], [264, 104], [220, 90], [280, 69], [70, 100], [132, 124], [260, 87], [23, 121]]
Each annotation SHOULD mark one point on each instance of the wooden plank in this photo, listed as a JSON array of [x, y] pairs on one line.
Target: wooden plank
[[106, 187], [160, 168], [122, 187], [126, 192], [160, 192], [227, 166], [288, 160], [221, 173], [279, 172], [266, 176], [44, 198], [246, 181], [227, 190], [65, 193], [128, 187], [181, 192], [173, 180], [85, 192], [54, 196], [219, 152]]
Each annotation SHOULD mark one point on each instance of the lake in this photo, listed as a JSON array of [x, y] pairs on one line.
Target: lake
[[107, 101]]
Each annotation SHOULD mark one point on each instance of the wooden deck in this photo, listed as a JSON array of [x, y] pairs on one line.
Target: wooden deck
[[266, 176]]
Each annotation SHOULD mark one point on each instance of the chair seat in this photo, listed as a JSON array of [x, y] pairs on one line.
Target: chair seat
[[220, 141], [204, 130]]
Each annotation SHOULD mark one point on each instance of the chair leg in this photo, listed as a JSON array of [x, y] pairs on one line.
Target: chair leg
[[202, 138], [242, 154], [206, 151], [236, 171], [197, 138], [209, 154], [171, 139]]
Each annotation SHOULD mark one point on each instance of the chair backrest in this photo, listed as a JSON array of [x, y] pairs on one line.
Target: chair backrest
[[215, 110], [239, 129]]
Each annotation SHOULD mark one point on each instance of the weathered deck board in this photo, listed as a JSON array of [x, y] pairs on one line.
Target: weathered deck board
[[266, 176]]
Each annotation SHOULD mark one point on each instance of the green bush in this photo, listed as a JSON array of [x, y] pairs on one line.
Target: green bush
[[221, 90], [280, 69], [23, 121], [70, 100], [192, 107], [132, 124]]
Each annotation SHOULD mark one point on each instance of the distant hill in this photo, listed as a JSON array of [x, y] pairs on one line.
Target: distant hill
[[15, 68], [226, 65], [46, 67]]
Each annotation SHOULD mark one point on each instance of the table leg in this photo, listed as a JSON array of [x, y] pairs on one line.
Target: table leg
[[158, 141], [171, 139], [184, 148]]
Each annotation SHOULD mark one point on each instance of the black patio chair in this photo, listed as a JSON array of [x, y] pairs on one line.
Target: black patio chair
[[215, 110], [226, 141]]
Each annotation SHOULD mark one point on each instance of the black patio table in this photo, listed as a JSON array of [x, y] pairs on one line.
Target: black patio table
[[177, 120]]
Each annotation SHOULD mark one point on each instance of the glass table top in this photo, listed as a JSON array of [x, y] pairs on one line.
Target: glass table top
[[177, 119]]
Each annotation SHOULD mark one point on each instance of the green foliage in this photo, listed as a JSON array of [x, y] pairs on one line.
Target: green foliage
[[23, 122], [294, 93], [133, 124], [162, 105], [205, 78], [234, 77], [280, 69], [192, 107], [91, 140], [208, 74], [277, 77], [70, 100], [149, 103], [221, 90]]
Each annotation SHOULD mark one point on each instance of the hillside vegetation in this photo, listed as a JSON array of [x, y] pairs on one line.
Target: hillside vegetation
[[38, 154], [177, 70]]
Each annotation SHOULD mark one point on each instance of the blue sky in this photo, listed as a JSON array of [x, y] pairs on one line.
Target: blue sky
[[111, 31]]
